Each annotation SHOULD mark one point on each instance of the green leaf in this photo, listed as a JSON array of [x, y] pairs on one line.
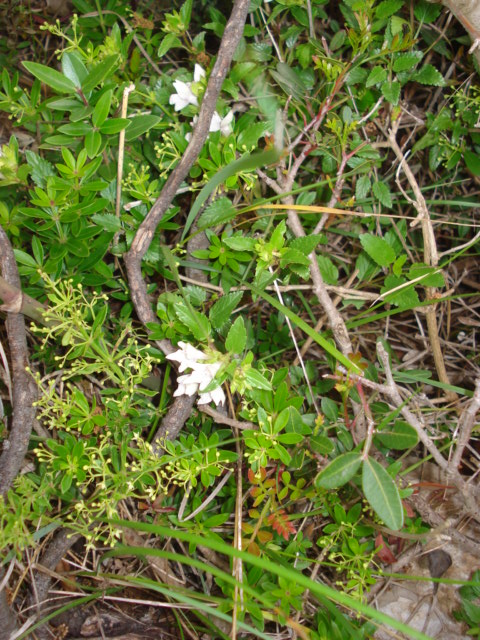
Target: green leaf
[[101, 72], [377, 74], [73, 67], [431, 277], [75, 129], [245, 163], [328, 270], [102, 108], [381, 492], [382, 193], [194, 320], [387, 8], [362, 188], [40, 169], [240, 243], [378, 249], [248, 138], [219, 211], [170, 41], [51, 77], [321, 445], [306, 244], [406, 61], [223, 308], [256, 380], [140, 125], [391, 92], [237, 337], [301, 324], [472, 160], [429, 75], [107, 221], [405, 297], [426, 12], [114, 125], [339, 471], [93, 142], [400, 435]]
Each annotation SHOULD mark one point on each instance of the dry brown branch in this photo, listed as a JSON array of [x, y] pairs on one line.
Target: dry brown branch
[[466, 423], [141, 242], [14, 300], [220, 418], [24, 390], [430, 258], [392, 391], [182, 407]]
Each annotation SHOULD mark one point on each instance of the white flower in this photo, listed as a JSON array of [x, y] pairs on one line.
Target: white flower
[[217, 124], [198, 73], [185, 95], [200, 377], [224, 125]]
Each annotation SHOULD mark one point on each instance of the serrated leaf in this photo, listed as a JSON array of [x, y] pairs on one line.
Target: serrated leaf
[[406, 61], [377, 74], [378, 249], [382, 193], [339, 471], [363, 187], [223, 308], [391, 91], [431, 276], [107, 221], [40, 169], [100, 72], [292, 256], [306, 244], [426, 12], [382, 494], [240, 243], [387, 8], [404, 297], [170, 41], [256, 380], [248, 138], [237, 337], [194, 320], [220, 210], [51, 77], [400, 435], [328, 270], [140, 125], [429, 75]]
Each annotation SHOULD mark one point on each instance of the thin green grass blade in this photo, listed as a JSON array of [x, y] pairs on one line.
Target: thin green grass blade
[[248, 162], [306, 328], [320, 590]]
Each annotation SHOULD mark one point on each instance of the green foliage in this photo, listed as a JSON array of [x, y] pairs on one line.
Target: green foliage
[[305, 85]]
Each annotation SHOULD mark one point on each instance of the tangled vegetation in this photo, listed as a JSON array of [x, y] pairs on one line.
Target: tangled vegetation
[[239, 273]]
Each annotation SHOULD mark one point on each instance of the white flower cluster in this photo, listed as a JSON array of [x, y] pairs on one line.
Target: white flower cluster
[[200, 377], [185, 96]]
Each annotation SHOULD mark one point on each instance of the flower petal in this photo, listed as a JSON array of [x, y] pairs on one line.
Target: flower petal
[[198, 73]]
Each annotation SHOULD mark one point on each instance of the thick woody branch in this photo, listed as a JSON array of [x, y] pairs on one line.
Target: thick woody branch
[[231, 37], [24, 389]]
